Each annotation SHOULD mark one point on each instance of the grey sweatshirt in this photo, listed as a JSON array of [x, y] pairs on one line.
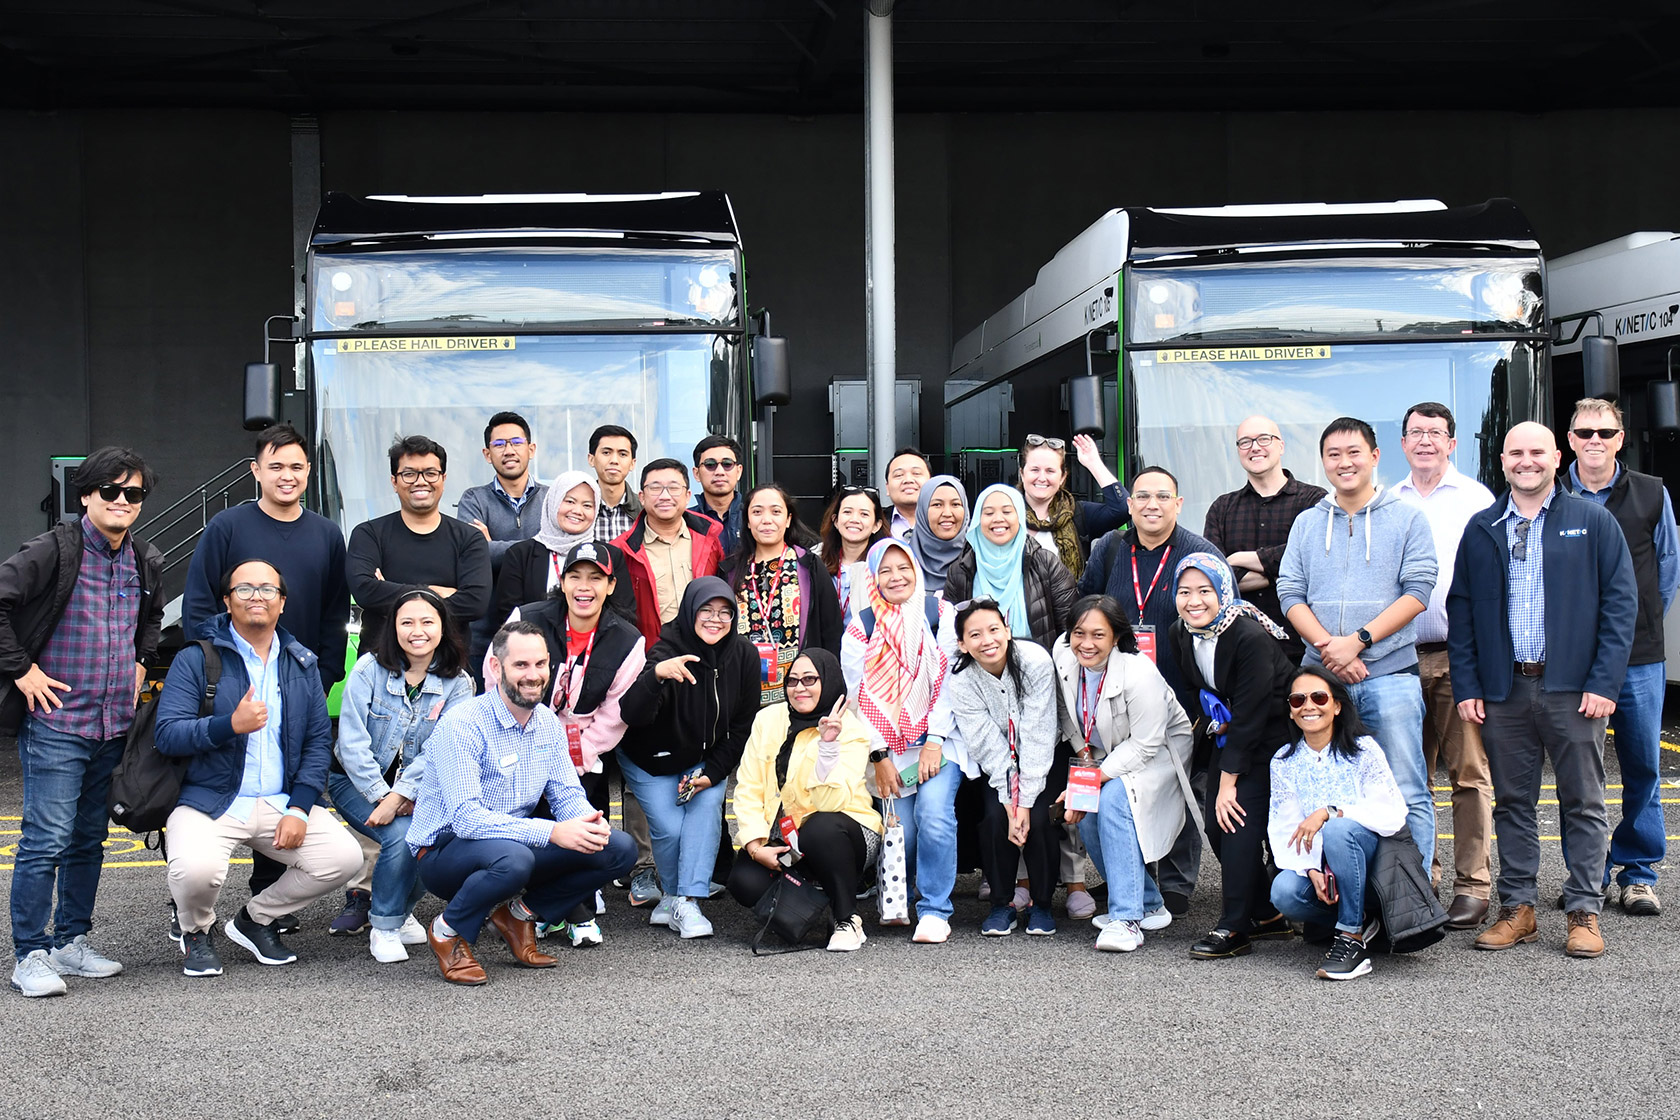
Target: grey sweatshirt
[[983, 706], [1349, 569]]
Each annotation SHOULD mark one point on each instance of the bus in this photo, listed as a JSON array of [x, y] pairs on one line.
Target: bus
[[1629, 289], [1190, 320], [427, 315]]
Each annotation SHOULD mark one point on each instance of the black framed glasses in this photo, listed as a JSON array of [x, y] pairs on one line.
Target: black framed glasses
[[411, 476], [1051, 442], [1319, 697], [1602, 433], [516, 441], [245, 592], [133, 495], [720, 464], [1263, 440], [810, 680]]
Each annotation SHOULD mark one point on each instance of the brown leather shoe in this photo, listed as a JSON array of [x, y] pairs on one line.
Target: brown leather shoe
[[1514, 926], [1585, 940], [1466, 912], [521, 938], [455, 958]]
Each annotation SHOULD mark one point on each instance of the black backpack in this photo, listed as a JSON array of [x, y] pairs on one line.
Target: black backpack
[[146, 785]]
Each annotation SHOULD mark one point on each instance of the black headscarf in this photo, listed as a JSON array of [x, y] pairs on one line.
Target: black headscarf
[[680, 631], [833, 688]]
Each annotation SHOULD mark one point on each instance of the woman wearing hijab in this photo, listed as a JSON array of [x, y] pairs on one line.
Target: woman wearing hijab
[[800, 795], [531, 568], [1005, 564], [688, 717], [895, 658], [1232, 655], [1055, 518], [936, 540]]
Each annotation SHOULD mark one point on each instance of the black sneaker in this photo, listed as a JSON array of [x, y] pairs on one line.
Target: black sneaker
[[1347, 959], [262, 940], [175, 926], [1222, 943], [201, 958], [1177, 904], [287, 923], [353, 918], [1275, 928]]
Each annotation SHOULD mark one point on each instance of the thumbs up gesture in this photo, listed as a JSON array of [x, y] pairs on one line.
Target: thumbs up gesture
[[251, 715]]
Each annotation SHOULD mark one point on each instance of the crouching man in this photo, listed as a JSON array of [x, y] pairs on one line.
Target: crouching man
[[489, 763]]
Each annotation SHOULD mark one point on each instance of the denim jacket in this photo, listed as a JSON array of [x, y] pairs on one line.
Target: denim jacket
[[377, 722]]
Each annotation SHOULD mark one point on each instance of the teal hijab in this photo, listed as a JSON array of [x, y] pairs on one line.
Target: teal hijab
[[998, 572]]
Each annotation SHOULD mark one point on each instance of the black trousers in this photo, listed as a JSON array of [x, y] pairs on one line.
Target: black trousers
[[1042, 851], [1245, 878], [834, 854]]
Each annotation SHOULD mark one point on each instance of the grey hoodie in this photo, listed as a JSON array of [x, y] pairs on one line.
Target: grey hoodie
[[1349, 569]]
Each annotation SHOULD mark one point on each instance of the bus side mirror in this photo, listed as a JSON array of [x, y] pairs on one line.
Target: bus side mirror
[[1601, 368], [772, 378], [262, 395], [1085, 406]]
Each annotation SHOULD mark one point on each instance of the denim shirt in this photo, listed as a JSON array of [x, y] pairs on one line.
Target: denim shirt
[[377, 722]]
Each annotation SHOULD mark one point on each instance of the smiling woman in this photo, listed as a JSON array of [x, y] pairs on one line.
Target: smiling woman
[[531, 568], [1003, 562]]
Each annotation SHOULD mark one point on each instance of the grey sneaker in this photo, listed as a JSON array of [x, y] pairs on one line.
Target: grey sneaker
[[661, 915], [81, 959], [35, 976], [1640, 900], [688, 921], [644, 887]]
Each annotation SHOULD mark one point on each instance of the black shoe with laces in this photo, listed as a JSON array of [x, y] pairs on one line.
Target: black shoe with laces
[[175, 926], [200, 950], [287, 923], [1222, 943], [1348, 959], [262, 940]]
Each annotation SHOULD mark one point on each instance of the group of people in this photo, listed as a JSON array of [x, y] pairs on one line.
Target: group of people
[[1025, 682]]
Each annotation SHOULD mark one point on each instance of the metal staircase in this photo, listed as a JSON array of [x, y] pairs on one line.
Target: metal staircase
[[175, 531]]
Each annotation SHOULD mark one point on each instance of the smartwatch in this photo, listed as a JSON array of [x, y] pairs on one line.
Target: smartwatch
[[1365, 636], [1332, 811], [878, 755]]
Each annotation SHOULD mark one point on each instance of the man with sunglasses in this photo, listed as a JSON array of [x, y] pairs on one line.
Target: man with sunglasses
[[419, 547], [718, 463], [1641, 506], [1540, 620], [79, 621]]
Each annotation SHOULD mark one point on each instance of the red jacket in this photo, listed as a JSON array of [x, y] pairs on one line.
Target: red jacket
[[707, 555]]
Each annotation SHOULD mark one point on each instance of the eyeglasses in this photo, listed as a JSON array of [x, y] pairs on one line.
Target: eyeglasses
[[659, 488], [715, 613], [811, 681], [1605, 434], [516, 441], [245, 592], [1319, 698], [410, 476], [1434, 435], [1046, 441], [134, 495], [849, 490], [719, 464], [1157, 495], [1265, 439]]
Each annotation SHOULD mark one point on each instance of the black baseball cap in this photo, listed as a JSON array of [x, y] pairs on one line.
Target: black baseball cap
[[589, 552]]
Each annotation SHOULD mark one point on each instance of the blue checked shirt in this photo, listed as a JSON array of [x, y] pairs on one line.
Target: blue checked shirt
[[485, 773], [1526, 591]]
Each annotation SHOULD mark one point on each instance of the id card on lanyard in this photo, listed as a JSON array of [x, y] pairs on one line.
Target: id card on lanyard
[[1084, 788], [1146, 634], [1014, 776]]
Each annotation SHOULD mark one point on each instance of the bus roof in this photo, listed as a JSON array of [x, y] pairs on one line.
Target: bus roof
[[677, 216], [1634, 280]]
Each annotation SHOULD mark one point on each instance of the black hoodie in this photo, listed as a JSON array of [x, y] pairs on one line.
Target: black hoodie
[[674, 725]]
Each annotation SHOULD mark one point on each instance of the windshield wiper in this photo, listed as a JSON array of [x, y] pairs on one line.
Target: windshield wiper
[[1235, 334]]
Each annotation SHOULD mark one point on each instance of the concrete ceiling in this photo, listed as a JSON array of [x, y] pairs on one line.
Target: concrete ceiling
[[804, 56]]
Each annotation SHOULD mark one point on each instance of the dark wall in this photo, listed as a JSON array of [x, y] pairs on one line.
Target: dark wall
[[143, 250]]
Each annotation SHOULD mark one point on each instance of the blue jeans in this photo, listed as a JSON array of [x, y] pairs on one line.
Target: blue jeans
[[1640, 840], [1392, 708], [1348, 849], [396, 876], [929, 817], [685, 837], [476, 876], [65, 821], [1110, 837]]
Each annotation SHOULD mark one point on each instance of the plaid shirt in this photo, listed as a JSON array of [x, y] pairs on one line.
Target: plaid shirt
[[612, 522], [92, 648], [1243, 521], [1526, 591], [485, 773]]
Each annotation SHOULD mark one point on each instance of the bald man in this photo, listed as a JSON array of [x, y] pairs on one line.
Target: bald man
[[1540, 624]]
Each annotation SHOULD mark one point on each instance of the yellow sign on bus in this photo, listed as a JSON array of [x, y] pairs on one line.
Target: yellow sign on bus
[[443, 344], [1244, 354]]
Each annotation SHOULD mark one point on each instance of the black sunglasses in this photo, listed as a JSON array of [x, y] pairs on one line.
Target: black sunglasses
[[719, 464], [133, 494], [848, 490], [1318, 697], [1601, 433]]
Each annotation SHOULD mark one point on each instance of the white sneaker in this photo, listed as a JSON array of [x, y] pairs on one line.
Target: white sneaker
[[661, 915], [848, 936], [932, 930], [34, 976], [1156, 919], [582, 935], [1120, 937], [688, 921], [1102, 920], [412, 932], [600, 903], [386, 945], [81, 959]]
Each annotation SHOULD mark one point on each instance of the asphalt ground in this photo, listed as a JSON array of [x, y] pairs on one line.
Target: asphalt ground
[[648, 1025]]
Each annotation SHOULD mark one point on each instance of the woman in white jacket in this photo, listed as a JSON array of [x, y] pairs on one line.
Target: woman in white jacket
[[1333, 797], [1119, 713]]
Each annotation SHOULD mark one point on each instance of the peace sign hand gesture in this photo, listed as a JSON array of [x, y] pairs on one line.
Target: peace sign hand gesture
[[829, 725]]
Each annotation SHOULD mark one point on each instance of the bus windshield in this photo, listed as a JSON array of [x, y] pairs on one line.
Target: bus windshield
[[670, 389], [1189, 402], [526, 286]]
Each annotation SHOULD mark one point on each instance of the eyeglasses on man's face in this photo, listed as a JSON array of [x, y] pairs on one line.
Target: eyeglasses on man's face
[[409, 476], [660, 489], [516, 441], [1433, 435], [1265, 439], [1606, 434], [719, 464], [245, 592], [133, 495]]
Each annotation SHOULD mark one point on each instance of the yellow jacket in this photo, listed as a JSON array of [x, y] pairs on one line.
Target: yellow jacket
[[843, 791]]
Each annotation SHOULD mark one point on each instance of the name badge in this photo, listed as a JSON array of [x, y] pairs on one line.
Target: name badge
[[769, 668], [1084, 788], [790, 837], [574, 744], [1146, 642], [509, 761]]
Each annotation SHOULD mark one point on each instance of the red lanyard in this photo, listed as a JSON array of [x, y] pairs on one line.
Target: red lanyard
[[1137, 588], [1088, 708], [843, 588], [1014, 777], [563, 689], [775, 586], [554, 559]]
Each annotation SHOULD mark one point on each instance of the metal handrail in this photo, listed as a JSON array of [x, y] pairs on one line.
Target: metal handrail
[[200, 502]]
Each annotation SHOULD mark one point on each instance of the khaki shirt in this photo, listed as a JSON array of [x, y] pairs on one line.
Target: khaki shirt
[[672, 562]]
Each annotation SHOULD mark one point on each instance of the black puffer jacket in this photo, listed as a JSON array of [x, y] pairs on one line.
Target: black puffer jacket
[[1412, 918], [1049, 593]]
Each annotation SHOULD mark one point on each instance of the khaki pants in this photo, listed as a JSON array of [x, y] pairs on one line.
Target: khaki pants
[[199, 850], [370, 856], [1449, 740]]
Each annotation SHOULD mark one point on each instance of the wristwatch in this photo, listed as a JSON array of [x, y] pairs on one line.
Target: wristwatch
[[1365, 636], [1332, 811], [878, 755]]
